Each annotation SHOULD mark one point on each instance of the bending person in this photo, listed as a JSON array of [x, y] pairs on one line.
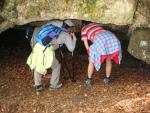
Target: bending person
[[105, 46], [67, 38]]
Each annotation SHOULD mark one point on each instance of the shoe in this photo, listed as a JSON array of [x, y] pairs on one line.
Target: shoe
[[106, 81], [58, 86], [39, 88], [89, 82]]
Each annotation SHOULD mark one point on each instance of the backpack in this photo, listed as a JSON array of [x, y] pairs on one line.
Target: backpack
[[47, 33]]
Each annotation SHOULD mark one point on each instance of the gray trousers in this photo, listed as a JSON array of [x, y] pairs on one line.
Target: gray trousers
[[55, 74]]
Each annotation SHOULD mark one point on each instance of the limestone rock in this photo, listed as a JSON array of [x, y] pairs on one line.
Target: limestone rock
[[139, 45], [20, 12]]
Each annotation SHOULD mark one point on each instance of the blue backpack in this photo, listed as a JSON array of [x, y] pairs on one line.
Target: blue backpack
[[47, 33]]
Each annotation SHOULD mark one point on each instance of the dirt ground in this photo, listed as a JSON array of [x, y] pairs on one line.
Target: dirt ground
[[129, 91]]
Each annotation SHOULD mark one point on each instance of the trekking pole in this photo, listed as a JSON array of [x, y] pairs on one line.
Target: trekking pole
[[63, 60], [73, 74]]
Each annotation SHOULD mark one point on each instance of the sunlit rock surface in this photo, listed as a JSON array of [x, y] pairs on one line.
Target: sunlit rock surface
[[19, 12], [142, 14], [139, 45]]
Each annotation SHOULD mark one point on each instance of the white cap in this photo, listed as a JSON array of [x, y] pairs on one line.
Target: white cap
[[69, 23]]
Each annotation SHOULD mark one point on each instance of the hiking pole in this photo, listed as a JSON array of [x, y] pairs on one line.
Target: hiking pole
[[63, 60], [73, 75]]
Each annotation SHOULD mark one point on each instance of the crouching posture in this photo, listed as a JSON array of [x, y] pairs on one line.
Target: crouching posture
[[105, 45], [43, 58]]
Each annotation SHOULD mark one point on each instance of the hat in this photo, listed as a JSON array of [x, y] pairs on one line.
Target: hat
[[69, 23]]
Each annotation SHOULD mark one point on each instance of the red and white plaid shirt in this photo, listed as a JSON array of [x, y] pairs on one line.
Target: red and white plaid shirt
[[89, 31]]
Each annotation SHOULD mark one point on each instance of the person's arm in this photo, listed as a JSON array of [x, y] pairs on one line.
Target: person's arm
[[33, 41], [70, 42], [86, 44]]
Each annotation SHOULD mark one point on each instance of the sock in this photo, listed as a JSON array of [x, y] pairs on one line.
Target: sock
[[108, 77], [89, 77]]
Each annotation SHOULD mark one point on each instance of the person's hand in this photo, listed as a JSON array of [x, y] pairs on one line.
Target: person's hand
[[72, 34]]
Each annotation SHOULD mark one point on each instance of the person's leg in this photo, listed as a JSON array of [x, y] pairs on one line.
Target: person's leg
[[108, 71], [90, 69], [108, 67], [38, 81], [56, 66], [90, 73], [37, 78]]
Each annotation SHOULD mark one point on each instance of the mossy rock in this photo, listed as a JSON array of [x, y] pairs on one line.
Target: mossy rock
[[139, 45]]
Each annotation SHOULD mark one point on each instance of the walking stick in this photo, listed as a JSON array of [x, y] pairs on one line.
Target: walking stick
[[73, 74], [63, 61]]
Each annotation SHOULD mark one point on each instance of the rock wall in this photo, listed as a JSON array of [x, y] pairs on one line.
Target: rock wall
[[142, 14], [139, 45], [19, 12]]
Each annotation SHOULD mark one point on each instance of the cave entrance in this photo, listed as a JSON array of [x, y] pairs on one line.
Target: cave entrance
[[129, 84], [13, 42]]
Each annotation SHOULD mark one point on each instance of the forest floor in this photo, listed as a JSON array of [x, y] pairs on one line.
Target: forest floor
[[128, 92]]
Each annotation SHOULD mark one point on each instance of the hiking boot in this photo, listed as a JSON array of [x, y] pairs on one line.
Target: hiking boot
[[106, 81], [39, 88], [58, 86], [89, 82]]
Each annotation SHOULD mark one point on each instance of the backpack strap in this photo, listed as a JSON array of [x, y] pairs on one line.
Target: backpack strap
[[44, 51]]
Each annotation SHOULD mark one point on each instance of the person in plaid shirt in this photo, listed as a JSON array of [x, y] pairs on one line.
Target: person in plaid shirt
[[105, 45]]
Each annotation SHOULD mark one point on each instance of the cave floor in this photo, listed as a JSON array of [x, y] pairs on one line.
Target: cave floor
[[129, 91]]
